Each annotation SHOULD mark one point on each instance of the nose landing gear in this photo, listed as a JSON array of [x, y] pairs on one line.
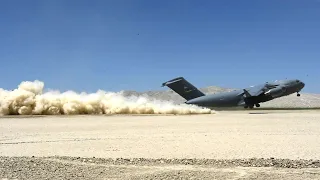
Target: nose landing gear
[[298, 94]]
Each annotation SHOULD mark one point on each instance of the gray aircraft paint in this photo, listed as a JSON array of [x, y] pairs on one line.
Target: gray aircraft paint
[[247, 97]]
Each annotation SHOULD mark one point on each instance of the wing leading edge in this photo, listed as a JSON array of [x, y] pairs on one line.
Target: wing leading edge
[[254, 92], [260, 89]]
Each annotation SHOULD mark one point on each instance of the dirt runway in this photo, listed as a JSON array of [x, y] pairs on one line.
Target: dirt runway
[[284, 139]]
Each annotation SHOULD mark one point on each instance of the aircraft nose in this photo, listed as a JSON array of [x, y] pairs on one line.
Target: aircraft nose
[[301, 84]]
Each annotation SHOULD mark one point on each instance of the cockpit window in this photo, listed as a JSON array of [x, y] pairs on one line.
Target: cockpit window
[[297, 81]]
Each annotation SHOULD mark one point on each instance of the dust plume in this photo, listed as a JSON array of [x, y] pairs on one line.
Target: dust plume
[[29, 99]]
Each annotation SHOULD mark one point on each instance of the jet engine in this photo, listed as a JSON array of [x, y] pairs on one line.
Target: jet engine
[[276, 92]]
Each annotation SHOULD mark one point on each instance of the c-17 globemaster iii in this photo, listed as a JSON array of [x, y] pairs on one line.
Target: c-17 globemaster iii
[[248, 97]]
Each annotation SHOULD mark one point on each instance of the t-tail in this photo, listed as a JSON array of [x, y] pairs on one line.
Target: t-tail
[[183, 88]]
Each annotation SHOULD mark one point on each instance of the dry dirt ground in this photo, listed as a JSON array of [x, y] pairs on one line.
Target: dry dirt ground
[[260, 144]]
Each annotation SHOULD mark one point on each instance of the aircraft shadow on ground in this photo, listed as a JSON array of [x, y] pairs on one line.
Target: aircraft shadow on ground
[[257, 111]]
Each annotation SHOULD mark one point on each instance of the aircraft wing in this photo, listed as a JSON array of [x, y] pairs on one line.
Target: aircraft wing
[[255, 91], [258, 90]]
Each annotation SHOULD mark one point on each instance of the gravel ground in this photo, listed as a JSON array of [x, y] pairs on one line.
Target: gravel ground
[[98, 168], [227, 145], [225, 135]]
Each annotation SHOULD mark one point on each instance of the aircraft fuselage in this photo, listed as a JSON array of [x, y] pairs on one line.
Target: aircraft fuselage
[[232, 98]]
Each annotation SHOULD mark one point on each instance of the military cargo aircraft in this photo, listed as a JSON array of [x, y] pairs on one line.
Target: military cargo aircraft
[[248, 97]]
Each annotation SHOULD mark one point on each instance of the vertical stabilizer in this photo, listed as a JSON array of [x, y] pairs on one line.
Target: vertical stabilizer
[[183, 88]]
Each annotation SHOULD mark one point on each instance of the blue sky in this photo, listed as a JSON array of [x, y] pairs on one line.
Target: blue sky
[[138, 44]]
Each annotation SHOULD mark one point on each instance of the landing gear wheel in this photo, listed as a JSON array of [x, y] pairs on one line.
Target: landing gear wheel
[[298, 94], [251, 106], [257, 105], [246, 107]]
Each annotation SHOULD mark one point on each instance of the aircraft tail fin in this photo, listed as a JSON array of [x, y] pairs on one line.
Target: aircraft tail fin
[[183, 88]]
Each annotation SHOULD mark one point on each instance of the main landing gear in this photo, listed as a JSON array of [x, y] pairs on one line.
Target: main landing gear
[[251, 106]]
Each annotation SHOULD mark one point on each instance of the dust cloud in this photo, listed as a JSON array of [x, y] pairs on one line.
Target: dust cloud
[[30, 99]]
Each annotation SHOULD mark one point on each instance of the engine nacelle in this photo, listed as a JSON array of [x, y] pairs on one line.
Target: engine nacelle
[[276, 92]]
